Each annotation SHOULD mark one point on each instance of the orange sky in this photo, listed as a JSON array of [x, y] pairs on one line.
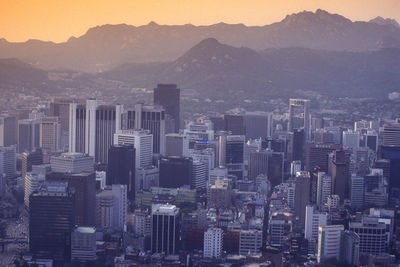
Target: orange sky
[[57, 20]]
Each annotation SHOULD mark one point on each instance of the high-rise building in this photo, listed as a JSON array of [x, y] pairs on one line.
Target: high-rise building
[[50, 133], [392, 153], [176, 145], [168, 96], [329, 242], [8, 130], [33, 179], [391, 134], [235, 123], [165, 229], [28, 135], [250, 242], [258, 124], [119, 193], [83, 244], [217, 173], [60, 108], [147, 177], [324, 188], [351, 139], [8, 162], [372, 235], [306, 116], [235, 155], [267, 162], [357, 192], [341, 174], [92, 127], [175, 171], [84, 186], [350, 248], [200, 132], [142, 141], [302, 194], [199, 178], [317, 156], [213, 243], [28, 160], [72, 163], [121, 167], [219, 194], [314, 219], [51, 219]]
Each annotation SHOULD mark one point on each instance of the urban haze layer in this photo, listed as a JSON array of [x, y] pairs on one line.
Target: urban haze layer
[[220, 145]]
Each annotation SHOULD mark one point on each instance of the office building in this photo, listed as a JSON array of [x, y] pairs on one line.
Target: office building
[[217, 173], [324, 188], [60, 108], [105, 211], [168, 96], [51, 219], [391, 134], [213, 243], [317, 156], [50, 133], [305, 115], [235, 124], [372, 235], [92, 128], [147, 177], [333, 202], [175, 171], [199, 133], [165, 229], [28, 160], [357, 192], [31, 184], [142, 222], [151, 118], [250, 242], [199, 172], [8, 162], [121, 167], [8, 130], [176, 145], [280, 226], [351, 139], [219, 194], [302, 195], [72, 163], [258, 124], [83, 244], [28, 135], [329, 242], [392, 153], [314, 219], [120, 208], [350, 248], [341, 174], [142, 141]]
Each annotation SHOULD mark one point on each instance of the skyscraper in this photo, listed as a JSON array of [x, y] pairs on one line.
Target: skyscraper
[[28, 135], [357, 192], [324, 188], [51, 218], [50, 133], [176, 145], [168, 96], [121, 167], [142, 141], [329, 242], [213, 243], [8, 130], [305, 105], [165, 229], [341, 175], [175, 171], [391, 134], [235, 155], [8, 162], [302, 194], [28, 160]]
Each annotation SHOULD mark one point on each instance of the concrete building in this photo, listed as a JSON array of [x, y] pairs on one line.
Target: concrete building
[[302, 194], [250, 242], [213, 243], [72, 163], [83, 244], [324, 188], [357, 192], [50, 133], [176, 145], [391, 134], [329, 242], [314, 219], [8, 162], [219, 194]]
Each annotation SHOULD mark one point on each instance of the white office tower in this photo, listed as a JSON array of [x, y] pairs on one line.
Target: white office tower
[[50, 133], [324, 188], [217, 173], [176, 144], [372, 233], [213, 243], [72, 163], [250, 242], [8, 162], [357, 192], [120, 197], [147, 177], [91, 128], [165, 228], [207, 156], [199, 175], [333, 201], [314, 219], [391, 134], [295, 166], [329, 242], [351, 139], [32, 181], [142, 140], [83, 244], [199, 131]]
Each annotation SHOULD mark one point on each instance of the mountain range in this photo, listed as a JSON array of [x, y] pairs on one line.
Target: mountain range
[[105, 47]]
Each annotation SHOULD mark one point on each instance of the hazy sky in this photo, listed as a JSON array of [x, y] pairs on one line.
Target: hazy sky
[[57, 20]]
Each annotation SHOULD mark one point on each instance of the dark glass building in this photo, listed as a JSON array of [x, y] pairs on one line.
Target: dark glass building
[[51, 220], [175, 171], [121, 167], [168, 96]]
